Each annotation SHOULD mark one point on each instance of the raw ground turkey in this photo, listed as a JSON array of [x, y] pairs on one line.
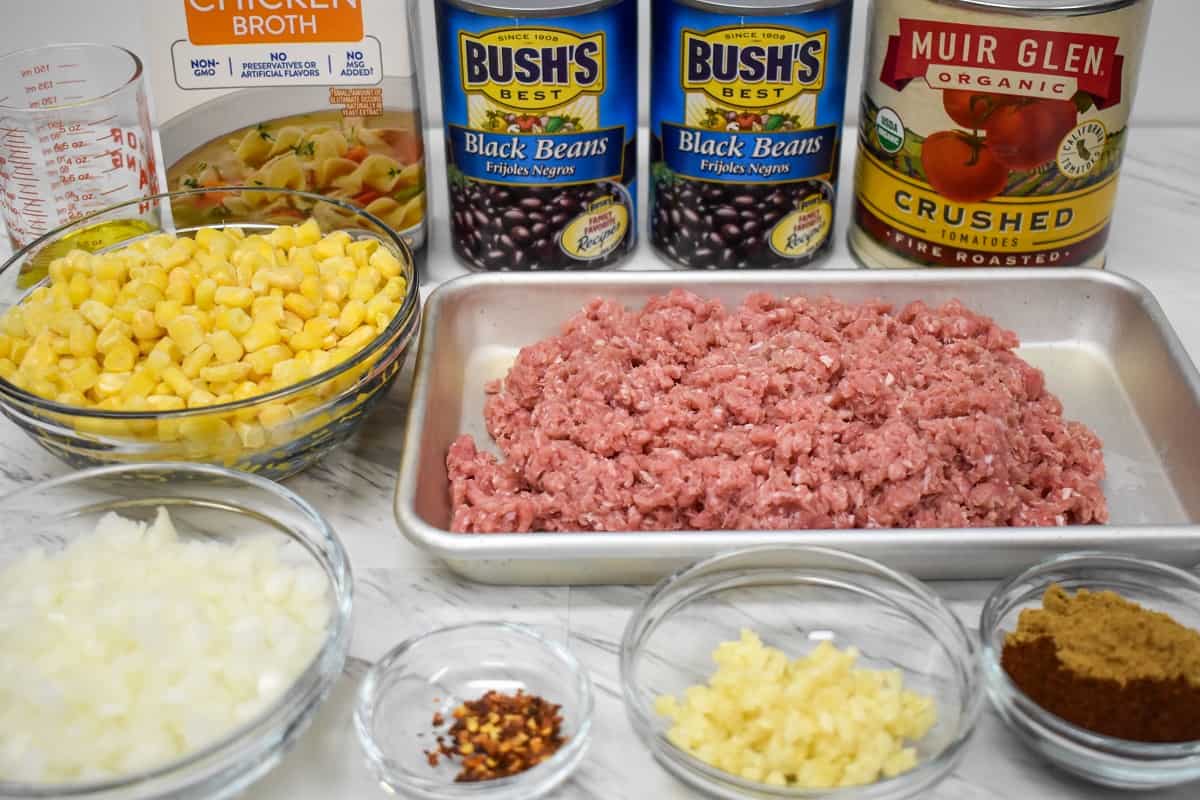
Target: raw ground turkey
[[789, 413]]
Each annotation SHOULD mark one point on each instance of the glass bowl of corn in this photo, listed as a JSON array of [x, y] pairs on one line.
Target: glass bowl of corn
[[246, 333]]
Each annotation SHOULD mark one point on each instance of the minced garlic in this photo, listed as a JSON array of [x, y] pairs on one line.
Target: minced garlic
[[812, 722]]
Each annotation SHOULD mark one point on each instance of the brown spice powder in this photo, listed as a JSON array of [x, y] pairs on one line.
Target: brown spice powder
[[1102, 635]]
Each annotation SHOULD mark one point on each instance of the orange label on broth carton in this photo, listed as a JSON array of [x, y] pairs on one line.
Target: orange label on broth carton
[[992, 138], [273, 21]]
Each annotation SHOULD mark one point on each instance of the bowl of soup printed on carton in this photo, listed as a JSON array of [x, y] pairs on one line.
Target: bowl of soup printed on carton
[[321, 99]]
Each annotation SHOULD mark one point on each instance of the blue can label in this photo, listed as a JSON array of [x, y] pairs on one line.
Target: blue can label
[[746, 112], [541, 119]]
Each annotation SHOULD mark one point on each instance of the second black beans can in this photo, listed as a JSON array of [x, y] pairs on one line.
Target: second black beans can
[[540, 104], [746, 117]]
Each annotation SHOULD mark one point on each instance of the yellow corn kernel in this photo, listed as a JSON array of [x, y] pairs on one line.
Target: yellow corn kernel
[[6, 344], [394, 289], [179, 383], [252, 436], [225, 373], [162, 278], [335, 290], [140, 384], [7, 369], [289, 372], [105, 292], [351, 317], [165, 402], [110, 269], [109, 384], [291, 324], [267, 309], [94, 311], [157, 361], [186, 332], [214, 241], [359, 338], [113, 333], [262, 334], [197, 360], [264, 360], [388, 265], [121, 357], [330, 309], [379, 304], [234, 320], [82, 340], [200, 398], [234, 296], [124, 311], [180, 287], [79, 289], [310, 287], [332, 245], [205, 295], [167, 310], [363, 289], [300, 305], [144, 325], [147, 295], [225, 346], [84, 375], [178, 253], [274, 415], [309, 232], [146, 346], [71, 399]]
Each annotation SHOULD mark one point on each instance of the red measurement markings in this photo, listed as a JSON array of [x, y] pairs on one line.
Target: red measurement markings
[[116, 189], [75, 80], [102, 121]]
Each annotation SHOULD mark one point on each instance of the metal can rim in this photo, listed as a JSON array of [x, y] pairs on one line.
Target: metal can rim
[[764, 7], [531, 8], [1043, 8]]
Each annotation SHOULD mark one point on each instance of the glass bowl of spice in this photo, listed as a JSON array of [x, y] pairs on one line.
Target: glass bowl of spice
[[484, 710], [799, 672], [1093, 660]]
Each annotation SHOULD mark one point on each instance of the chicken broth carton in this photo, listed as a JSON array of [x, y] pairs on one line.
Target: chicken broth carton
[[316, 96]]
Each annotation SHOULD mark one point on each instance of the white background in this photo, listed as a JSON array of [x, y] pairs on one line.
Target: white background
[[1167, 93]]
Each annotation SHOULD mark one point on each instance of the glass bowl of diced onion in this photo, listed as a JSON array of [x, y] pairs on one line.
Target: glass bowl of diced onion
[[800, 672], [255, 329], [168, 630]]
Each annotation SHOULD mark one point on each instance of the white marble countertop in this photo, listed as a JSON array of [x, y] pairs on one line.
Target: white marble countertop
[[401, 592]]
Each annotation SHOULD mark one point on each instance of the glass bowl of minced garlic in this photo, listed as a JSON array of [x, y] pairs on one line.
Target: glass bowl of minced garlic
[[259, 339], [800, 672]]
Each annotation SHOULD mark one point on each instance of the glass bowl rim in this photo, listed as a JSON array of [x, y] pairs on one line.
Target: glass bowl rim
[[1011, 698], [405, 318], [964, 656], [305, 690], [560, 765]]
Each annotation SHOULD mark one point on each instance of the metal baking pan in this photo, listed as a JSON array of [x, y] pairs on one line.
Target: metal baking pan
[[1103, 341]]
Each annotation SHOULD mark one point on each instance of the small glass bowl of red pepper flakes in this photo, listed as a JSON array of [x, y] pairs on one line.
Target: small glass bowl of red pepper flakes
[[489, 710], [1130, 705]]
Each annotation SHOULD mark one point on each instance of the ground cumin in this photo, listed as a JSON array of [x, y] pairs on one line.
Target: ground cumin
[[1107, 664]]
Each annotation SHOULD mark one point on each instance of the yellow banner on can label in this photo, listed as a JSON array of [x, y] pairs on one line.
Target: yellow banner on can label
[[804, 230], [999, 225], [532, 69], [596, 232]]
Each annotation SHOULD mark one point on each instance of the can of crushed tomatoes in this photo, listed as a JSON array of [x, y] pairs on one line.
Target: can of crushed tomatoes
[[992, 131], [746, 111]]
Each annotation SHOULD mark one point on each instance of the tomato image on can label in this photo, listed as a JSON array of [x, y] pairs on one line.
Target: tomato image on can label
[[991, 137]]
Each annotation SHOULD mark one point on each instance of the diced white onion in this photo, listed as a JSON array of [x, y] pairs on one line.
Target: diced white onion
[[133, 647]]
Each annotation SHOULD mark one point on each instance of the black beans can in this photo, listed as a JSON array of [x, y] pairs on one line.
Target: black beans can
[[540, 103], [746, 116]]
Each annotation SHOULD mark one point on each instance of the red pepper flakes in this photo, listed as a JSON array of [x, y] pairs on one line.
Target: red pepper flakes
[[499, 735]]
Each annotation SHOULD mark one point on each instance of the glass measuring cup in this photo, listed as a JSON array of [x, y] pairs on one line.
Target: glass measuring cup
[[75, 137]]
